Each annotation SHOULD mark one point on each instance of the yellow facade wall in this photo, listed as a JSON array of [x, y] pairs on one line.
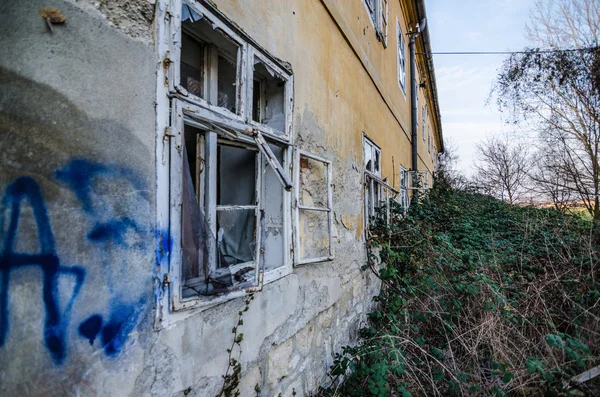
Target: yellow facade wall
[[344, 77]]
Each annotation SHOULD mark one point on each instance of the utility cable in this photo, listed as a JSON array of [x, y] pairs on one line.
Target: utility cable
[[506, 52]]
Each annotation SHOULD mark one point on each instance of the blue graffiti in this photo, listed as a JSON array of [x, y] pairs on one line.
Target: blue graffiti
[[108, 229], [113, 230], [80, 174], [113, 334], [163, 246], [55, 323], [90, 328]]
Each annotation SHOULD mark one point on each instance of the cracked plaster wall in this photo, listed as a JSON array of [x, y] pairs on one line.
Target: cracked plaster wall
[[77, 147]]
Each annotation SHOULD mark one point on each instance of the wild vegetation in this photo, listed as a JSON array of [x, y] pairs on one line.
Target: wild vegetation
[[479, 297]]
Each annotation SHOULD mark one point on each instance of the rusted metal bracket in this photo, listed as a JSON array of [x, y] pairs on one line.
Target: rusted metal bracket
[[169, 134]]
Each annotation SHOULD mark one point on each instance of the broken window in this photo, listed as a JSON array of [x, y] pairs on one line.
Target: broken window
[[377, 192], [378, 12], [232, 208], [270, 96], [210, 60], [371, 156], [404, 199], [219, 214], [314, 213], [230, 202], [417, 180], [373, 192]]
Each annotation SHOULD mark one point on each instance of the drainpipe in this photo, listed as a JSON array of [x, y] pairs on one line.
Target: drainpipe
[[413, 104]]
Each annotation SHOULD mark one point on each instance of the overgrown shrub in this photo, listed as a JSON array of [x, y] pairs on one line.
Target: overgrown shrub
[[479, 298]]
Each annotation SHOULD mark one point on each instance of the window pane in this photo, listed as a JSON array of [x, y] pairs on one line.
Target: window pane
[[269, 105], [236, 238], [272, 205], [368, 155], [313, 182], [256, 101], [195, 160], [192, 65], [195, 233], [314, 234], [227, 91], [236, 183], [201, 47]]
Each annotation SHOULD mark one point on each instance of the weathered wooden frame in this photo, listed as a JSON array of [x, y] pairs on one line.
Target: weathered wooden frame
[[224, 124], [299, 207]]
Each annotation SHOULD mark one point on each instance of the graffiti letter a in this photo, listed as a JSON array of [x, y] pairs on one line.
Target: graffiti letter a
[[55, 323]]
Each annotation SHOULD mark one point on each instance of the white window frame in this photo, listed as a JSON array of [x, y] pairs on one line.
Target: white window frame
[[184, 113], [429, 140], [235, 127], [404, 197], [373, 180], [418, 180], [375, 150], [176, 89], [298, 207], [417, 106], [425, 113], [377, 15], [246, 53], [288, 95], [401, 50]]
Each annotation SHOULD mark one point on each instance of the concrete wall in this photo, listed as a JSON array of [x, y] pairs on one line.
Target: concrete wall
[[78, 221]]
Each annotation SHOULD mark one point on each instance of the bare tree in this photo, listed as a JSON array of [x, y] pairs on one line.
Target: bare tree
[[447, 166], [501, 168], [548, 179], [556, 90]]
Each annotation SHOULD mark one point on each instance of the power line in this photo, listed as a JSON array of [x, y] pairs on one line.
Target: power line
[[505, 52]]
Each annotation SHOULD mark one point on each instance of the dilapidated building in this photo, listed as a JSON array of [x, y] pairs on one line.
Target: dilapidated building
[[162, 160]]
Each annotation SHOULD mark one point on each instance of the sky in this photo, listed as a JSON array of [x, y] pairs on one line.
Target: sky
[[464, 82]]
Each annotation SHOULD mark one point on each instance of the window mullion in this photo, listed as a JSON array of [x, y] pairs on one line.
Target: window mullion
[[211, 196], [213, 74], [259, 228]]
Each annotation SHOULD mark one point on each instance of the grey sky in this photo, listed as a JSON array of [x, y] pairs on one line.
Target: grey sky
[[464, 81]]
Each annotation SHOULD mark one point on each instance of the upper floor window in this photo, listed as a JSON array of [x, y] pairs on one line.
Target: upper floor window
[[219, 70], [425, 113], [429, 140], [378, 12], [417, 106], [401, 58]]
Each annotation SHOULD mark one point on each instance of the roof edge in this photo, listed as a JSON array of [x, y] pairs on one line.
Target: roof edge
[[425, 37]]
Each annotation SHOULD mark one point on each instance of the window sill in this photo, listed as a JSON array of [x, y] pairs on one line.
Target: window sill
[[199, 304]]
